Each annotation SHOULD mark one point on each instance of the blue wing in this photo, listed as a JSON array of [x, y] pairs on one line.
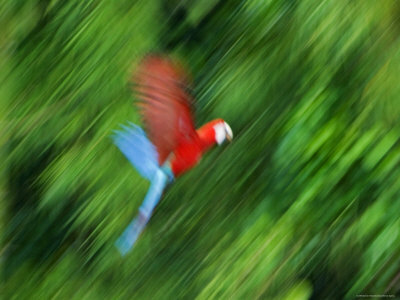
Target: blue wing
[[134, 144]]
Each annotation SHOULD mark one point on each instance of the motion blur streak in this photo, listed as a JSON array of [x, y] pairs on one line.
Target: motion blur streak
[[303, 204]]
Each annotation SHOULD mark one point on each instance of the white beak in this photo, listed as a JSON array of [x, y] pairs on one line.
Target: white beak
[[228, 132]]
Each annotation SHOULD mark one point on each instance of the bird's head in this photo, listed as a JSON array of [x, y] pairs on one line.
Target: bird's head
[[222, 132], [214, 132]]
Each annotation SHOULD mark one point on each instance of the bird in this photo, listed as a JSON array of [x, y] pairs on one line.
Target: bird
[[170, 145]]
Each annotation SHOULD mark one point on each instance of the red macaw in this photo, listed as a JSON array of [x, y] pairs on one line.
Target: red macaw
[[173, 145]]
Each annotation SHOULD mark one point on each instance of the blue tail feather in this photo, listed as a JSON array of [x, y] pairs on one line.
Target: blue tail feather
[[128, 238]]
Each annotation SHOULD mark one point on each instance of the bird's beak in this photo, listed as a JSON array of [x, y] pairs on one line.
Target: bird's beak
[[228, 131]]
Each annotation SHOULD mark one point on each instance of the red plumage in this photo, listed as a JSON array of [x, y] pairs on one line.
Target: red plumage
[[165, 104], [161, 86]]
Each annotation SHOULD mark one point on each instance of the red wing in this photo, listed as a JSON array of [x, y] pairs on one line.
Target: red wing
[[164, 103]]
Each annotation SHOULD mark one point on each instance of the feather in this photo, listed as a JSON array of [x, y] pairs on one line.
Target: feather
[[140, 152], [164, 104], [129, 237]]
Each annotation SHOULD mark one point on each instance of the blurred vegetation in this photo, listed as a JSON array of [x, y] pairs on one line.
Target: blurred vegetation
[[304, 204]]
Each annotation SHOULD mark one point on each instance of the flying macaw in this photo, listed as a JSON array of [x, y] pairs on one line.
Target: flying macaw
[[173, 145]]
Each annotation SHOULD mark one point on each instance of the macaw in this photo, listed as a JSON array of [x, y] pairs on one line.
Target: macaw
[[172, 145]]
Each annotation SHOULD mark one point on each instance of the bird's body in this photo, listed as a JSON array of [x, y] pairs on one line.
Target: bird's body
[[188, 155], [172, 145]]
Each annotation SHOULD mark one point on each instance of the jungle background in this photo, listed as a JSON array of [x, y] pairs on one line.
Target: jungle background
[[303, 204]]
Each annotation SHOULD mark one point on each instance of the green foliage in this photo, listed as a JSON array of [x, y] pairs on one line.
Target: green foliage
[[304, 202]]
